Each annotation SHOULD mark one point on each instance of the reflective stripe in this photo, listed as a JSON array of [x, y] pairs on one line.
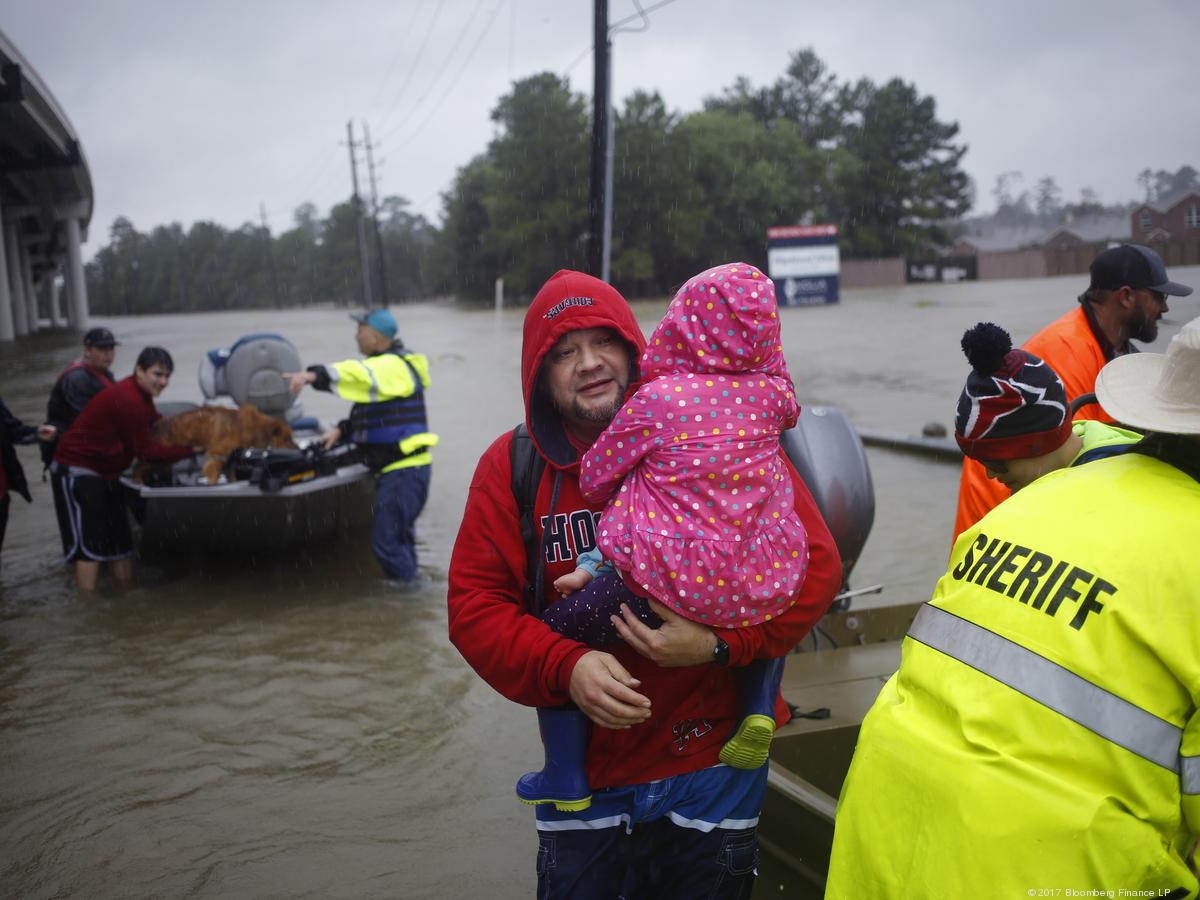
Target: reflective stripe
[[1189, 774], [701, 825], [586, 824], [1111, 717], [373, 393]]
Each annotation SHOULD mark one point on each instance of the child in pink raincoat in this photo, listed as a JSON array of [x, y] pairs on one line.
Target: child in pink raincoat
[[700, 513]]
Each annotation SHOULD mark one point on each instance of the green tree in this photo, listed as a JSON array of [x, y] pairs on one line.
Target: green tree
[[1048, 199], [1170, 185], [907, 183], [743, 178], [406, 242], [649, 178], [890, 178], [458, 260], [807, 96], [537, 209], [338, 269], [519, 211]]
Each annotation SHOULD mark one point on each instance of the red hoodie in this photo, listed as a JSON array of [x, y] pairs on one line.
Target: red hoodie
[[695, 708], [113, 430]]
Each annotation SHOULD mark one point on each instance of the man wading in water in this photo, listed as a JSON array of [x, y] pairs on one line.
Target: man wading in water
[[665, 818]]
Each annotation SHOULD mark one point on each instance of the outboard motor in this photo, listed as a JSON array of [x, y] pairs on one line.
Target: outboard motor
[[277, 467], [251, 371], [828, 454]]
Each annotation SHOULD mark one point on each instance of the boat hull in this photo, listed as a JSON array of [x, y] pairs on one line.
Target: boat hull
[[241, 517], [830, 690]]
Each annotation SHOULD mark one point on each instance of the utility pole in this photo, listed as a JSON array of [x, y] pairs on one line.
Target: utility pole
[[359, 238], [262, 212], [383, 285], [606, 245], [600, 116]]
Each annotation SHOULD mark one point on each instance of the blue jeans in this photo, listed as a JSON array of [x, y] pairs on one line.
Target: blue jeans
[[400, 496], [693, 835]]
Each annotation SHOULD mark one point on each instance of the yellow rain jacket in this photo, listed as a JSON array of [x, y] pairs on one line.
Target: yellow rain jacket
[[1041, 735]]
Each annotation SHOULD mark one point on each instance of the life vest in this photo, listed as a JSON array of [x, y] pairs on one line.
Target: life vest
[[392, 433], [1042, 730]]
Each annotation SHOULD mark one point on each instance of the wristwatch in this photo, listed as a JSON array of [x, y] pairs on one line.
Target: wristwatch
[[721, 653]]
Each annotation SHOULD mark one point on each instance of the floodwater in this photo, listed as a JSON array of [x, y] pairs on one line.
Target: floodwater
[[292, 727]]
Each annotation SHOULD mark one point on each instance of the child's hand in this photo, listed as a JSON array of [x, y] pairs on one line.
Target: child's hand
[[573, 581]]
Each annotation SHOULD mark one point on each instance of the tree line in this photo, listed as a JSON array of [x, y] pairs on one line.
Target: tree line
[[874, 159], [1044, 206]]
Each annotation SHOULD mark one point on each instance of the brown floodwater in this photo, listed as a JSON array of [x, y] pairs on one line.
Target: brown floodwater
[[291, 726]]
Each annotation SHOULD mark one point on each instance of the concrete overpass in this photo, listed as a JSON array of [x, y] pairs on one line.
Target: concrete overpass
[[45, 204]]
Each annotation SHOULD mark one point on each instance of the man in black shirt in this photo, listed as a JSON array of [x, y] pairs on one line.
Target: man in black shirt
[[78, 383]]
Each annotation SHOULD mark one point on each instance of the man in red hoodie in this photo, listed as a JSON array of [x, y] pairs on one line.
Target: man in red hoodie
[[666, 818], [112, 431]]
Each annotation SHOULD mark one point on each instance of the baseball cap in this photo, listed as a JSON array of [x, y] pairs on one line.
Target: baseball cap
[[379, 319], [100, 337], [1135, 266]]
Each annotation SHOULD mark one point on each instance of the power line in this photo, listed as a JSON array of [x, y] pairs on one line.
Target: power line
[[413, 68], [642, 13], [406, 31], [325, 167], [439, 106], [458, 42]]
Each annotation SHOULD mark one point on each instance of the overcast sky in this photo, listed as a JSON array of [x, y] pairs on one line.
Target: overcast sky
[[204, 110]]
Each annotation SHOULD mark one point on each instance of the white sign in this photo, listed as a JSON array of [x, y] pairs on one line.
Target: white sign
[[803, 261]]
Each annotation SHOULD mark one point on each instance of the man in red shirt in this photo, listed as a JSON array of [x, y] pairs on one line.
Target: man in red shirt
[[666, 818], [112, 431], [1125, 299]]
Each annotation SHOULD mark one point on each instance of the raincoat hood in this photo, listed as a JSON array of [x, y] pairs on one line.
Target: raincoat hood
[[723, 321], [569, 301]]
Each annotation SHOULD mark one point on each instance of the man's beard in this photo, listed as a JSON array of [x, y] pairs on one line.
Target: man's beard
[[601, 415], [1143, 327]]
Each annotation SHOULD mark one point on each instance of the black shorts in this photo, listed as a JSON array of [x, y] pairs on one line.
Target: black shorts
[[92, 520]]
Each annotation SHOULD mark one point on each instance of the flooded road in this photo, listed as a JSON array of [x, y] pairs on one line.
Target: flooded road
[[294, 728]]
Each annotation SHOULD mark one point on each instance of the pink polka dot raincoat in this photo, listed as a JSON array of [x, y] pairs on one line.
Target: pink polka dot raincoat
[[700, 509]]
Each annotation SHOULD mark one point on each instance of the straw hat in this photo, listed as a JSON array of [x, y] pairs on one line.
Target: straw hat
[[1156, 391]]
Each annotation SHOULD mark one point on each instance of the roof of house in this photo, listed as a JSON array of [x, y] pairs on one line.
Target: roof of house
[[1169, 202], [990, 238], [1093, 228]]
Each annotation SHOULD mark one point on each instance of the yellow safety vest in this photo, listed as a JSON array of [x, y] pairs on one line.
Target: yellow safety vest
[[1041, 735], [382, 379]]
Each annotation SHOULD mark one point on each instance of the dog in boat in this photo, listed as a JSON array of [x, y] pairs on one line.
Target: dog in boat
[[220, 430]]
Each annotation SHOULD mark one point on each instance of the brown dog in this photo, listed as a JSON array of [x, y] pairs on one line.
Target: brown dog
[[219, 430]]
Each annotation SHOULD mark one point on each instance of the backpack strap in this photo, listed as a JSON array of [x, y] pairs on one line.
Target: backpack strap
[[527, 468]]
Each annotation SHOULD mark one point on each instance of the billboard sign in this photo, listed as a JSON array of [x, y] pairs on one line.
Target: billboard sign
[[943, 268], [804, 263]]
